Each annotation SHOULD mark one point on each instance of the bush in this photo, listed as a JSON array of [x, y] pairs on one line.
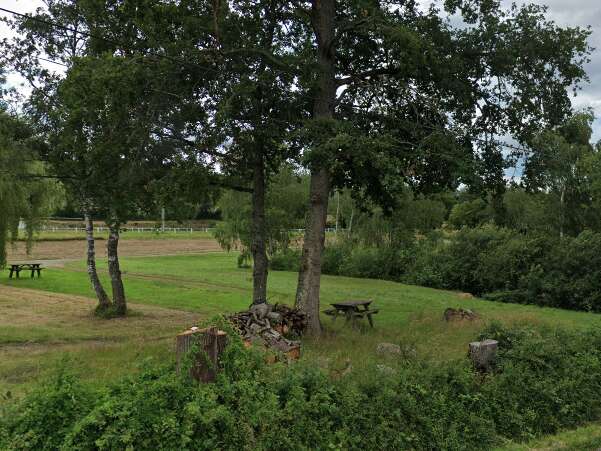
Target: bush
[[287, 260], [47, 415], [498, 264], [333, 258], [545, 380]]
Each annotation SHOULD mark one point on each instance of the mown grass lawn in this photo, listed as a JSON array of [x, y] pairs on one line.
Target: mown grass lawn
[[211, 284], [200, 286]]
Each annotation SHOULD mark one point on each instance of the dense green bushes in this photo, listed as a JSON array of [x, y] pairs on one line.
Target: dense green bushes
[[498, 264], [543, 381]]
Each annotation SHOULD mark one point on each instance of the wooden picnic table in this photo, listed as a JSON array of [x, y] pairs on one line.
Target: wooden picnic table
[[16, 268], [352, 311]]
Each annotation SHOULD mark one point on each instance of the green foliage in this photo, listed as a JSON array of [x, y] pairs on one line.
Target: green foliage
[[26, 194], [285, 210], [545, 380], [287, 260], [496, 263], [560, 163], [555, 371], [470, 213], [46, 416]]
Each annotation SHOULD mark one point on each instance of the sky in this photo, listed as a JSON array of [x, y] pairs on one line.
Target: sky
[[565, 12]]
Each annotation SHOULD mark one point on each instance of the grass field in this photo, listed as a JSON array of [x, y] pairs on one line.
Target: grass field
[[170, 293]]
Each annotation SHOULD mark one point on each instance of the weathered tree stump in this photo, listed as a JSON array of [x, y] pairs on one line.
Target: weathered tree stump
[[460, 314], [210, 343], [483, 354]]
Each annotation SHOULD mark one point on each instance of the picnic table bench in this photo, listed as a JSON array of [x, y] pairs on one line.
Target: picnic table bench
[[16, 268], [352, 311]]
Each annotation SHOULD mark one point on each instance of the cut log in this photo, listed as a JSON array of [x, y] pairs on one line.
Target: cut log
[[483, 354], [264, 325], [210, 344]]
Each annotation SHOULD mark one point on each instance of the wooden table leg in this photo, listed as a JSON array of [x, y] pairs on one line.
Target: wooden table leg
[[349, 316]]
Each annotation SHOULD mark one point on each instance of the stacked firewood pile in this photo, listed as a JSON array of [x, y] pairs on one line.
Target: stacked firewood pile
[[293, 321], [266, 324]]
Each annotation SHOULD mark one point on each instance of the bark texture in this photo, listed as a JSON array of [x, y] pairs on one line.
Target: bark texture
[[259, 233], [307, 295], [210, 345], [103, 300], [119, 302]]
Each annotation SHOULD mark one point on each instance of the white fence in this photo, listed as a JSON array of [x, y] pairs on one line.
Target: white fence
[[153, 229], [130, 229]]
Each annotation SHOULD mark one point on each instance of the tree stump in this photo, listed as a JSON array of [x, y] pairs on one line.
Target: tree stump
[[460, 314], [210, 342], [483, 354]]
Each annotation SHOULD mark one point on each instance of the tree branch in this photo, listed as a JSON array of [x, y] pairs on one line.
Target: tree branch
[[368, 73]]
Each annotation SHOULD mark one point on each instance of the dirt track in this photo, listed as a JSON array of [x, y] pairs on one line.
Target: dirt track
[[75, 249]]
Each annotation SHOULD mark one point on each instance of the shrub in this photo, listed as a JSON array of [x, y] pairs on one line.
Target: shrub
[[287, 260], [333, 258], [498, 264], [46, 416], [545, 380]]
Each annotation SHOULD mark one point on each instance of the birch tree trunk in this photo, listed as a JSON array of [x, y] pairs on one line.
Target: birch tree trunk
[[307, 295], [119, 302], [103, 300], [259, 233]]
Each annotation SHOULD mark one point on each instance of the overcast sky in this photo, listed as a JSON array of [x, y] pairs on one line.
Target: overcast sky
[[564, 12]]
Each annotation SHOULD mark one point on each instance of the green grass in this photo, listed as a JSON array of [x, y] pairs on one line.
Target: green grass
[[208, 284], [587, 438]]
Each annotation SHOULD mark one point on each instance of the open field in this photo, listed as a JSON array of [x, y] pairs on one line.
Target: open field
[[131, 245], [38, 329], [68, 235], [211, 284], [45, 320]]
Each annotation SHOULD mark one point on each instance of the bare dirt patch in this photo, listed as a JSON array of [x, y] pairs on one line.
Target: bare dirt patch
[[75, 249]]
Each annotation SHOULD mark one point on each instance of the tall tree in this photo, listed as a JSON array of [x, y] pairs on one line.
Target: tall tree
[[97, 117], [26, 193], [232, 109], [557, 164], [500, 73], [104, 115], [56, 34]]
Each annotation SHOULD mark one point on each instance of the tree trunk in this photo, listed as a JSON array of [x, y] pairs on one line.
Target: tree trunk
[[337, 210], [309, 277], [114, 270], [259, 233], [307, 295], [562, 214], [103, 300], [205, 364]]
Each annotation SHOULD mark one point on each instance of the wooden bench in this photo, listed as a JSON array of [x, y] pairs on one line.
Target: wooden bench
[[16, 268], [366, 313]]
